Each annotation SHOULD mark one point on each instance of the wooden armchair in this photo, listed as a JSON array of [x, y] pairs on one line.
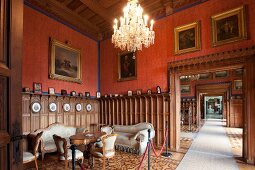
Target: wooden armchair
[[34, 141], [65, 154], [108, 149]]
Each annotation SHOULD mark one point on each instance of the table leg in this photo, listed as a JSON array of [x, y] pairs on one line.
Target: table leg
[[73, 147]]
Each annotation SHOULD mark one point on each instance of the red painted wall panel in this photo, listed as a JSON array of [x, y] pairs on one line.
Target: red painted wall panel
[[152, 62], [38, 28]]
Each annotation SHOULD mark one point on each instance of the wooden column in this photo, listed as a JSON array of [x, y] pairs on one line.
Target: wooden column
[[174, 125], [249, 117]]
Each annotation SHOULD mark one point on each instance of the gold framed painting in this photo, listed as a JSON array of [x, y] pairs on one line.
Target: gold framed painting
[[238, 84], [65, 62], [127, 66], [229, 26], [187, 38], [185, 89]]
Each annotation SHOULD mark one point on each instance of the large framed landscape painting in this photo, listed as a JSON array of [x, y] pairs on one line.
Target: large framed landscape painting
[[229, 26], [65, 62], [126, 66], [187, 38]]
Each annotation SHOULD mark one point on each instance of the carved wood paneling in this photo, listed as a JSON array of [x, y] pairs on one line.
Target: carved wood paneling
[[238, 58], [236, 113], [32, 121], [135, 109]]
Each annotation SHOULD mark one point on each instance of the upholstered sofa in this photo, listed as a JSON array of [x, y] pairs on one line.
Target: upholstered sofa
[[132, 138], [47, 142]]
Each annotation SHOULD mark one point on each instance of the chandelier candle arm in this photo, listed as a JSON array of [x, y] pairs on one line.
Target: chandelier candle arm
[[133, 31]]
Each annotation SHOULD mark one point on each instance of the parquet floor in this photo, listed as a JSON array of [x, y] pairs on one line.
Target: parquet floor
[[122, 160], [236, 139]]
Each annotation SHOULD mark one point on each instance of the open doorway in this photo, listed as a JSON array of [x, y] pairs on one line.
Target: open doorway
[[213, 107]]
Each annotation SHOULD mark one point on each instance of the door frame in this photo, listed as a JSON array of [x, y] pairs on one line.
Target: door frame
[[238, 58], [11, 30]]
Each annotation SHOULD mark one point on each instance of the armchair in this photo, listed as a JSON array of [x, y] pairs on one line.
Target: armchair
[[65, 153], [108, 149], [33, 155]]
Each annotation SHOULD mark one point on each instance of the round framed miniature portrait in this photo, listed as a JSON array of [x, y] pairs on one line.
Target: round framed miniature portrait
[[35, 107], [88, 107], [78, 107], [52, 107], [66, 107]]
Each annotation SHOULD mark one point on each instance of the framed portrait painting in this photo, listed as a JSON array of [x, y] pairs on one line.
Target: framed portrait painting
[[126, 66], [187, 38], [65, 62], [229, 26]]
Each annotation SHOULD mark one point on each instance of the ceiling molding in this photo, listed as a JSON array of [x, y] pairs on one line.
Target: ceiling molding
[[57, 9]]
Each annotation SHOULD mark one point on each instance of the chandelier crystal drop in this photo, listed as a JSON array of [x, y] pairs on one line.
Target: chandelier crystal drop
[[132, 31]]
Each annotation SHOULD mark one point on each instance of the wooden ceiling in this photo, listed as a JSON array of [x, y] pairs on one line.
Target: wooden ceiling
[[95, 17]]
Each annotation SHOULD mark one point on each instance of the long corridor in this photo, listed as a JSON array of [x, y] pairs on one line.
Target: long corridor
[[211, 150]]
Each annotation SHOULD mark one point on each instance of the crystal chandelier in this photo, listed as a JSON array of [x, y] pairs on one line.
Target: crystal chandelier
[[133, 31]]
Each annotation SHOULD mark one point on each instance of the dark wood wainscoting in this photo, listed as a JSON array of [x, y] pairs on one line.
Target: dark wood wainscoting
[[236, 112], [32, 121], [132, 110]]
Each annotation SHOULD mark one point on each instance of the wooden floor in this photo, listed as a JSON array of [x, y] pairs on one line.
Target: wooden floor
[[121, 160], [129, 161], [236, 139]]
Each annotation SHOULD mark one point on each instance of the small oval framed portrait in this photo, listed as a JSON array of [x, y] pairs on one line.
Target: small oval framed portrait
[[52, 107], [78, 107], [66, 107], [88, 107], [35, 107]]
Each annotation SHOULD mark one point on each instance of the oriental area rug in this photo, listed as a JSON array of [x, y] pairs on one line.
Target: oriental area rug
[[121, 161]]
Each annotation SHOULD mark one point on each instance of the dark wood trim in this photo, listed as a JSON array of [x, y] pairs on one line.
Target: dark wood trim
[[239, 58]]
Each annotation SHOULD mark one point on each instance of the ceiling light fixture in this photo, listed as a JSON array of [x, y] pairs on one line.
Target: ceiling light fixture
[[133, 31]]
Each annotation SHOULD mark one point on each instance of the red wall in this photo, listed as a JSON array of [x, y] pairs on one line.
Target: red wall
[[152, 62], [38, 28]]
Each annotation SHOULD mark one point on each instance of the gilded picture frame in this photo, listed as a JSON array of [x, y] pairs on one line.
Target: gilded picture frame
[[127, 66], [238, 84], [229, 26], [185, 89], [65, 62], [187, 38]]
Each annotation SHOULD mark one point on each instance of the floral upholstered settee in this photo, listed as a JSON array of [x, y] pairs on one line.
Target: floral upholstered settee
[[132, 138], [47, 142]]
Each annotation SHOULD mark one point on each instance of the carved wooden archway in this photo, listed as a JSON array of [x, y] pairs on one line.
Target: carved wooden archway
[[240, 58]]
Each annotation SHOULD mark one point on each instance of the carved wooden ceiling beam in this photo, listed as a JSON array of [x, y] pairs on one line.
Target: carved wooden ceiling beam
[[236, 57], [58, 9], [99, 9]]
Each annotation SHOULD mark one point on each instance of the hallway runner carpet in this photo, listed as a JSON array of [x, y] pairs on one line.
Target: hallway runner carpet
[[211, 150]]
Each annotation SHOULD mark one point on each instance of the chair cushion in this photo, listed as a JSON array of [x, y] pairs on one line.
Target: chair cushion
[[50, 146], [98, 153], [28, 156], [126, 139], [78, 155]]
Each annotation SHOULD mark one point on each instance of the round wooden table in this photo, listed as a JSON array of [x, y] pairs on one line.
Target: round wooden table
[[83, 139]]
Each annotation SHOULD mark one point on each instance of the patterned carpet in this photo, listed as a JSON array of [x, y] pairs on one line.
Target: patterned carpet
[[236, 139], [122, 160]]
